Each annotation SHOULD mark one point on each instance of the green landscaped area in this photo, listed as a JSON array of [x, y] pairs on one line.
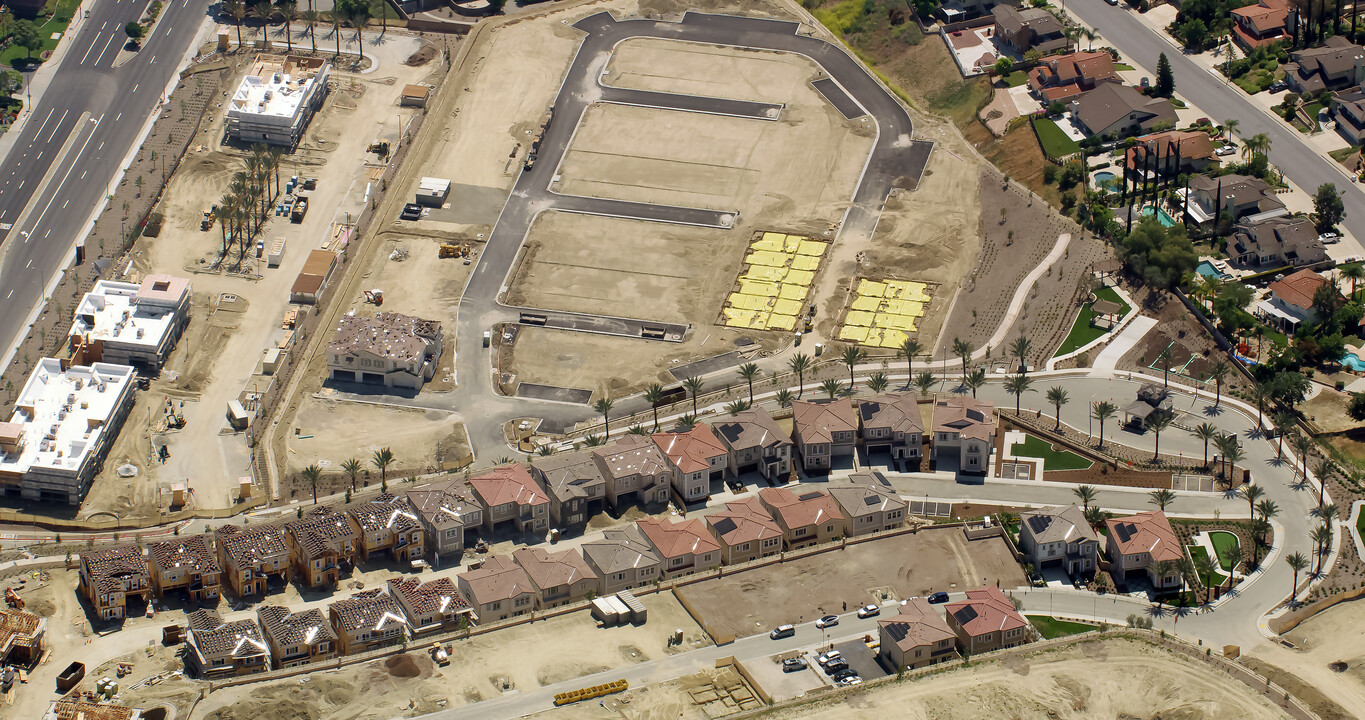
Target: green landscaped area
[[47, 26], [1052, 459], [1050, 627], [1122, 67], [1016, 78], [1212, 579], [1360, 525], [1223, 543], [1055, 142], [1083, 333]]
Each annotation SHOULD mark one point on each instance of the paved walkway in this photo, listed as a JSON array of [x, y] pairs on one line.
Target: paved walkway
[[1021, 296], [1108, 359]]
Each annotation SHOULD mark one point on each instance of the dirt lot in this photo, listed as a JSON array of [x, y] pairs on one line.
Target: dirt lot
[[341, 430], [709, 70], [1329, 637], [1328, 411], [482, 667], [903, 566]]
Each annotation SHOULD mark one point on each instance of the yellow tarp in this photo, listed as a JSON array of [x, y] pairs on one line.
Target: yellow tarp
[[764, 274], [750, 302], [799, 277], [869, 304], [805, 262], [786, 307], [771, 259], [853, 332], [871, 288], [904, 307], [769, 245], [792, 292], [858, 317], [773, 237], [893, 339], [781, 322], [750, 287], [810, 247], [899, 322], [793, 242]]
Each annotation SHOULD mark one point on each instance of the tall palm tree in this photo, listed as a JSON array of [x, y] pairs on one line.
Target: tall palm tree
[[877, 381], [963, 350], [654, 394], [352, 470], [336, 28], [1354, 272], [1251, 494], [1162, 569], [1321, 536], [1187, 576], [1322, 471], [1090, 35], [749, 372], [381, 460], [1328, 513], [1230, 127], [1284, 420], [289, 10], [1161, 498], [311, 474], [604, 406], [1256, 145], [908, 350], [1086, 494], [799, 364], [1234, 555], [1267, 509], [1203, 565], [851, 357], [1164, 359], [1056, 395], [1302, 445], [310, 16], [1261, 392], [1020, 348], [976, 377], [832, 387], [694, 386], [1156, 422], [1017, 385], [1218, 374], [1297, 562], [236, 10], [1102, 411], [357, 17], [1205, 431], [1232, 455], [925, 381], [263, 11], [784, 398]]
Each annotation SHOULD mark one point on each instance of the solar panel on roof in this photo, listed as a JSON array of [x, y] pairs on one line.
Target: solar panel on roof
[[725, 525], [1038, 523], [871, 500], [809, 496], [1125, 531], [965, 615]]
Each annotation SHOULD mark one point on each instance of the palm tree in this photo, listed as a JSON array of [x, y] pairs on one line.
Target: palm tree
[[1095, 517], [832, 387], [336, 29], [381, 460], [1056, 395], [1102, 411], [289, 10], [1187, 576], [594, 441], [1206, 432], [1267, 509], [1203, 565], [1322, 471], [975, 379], [236, 10], [1258, 144], [1261, 393], [1017, 385], [1297, 562], [263, 11], [685, 423], [1232, 455], [1328, 513], [310, 16], [694, 385], [749, 372], [925, 381], [877, 382], [1156, 422], [799, 364], [1322, 537], [1165, 360], [357, 17], [1302, 445], [1089, 34], [1086, 494], [654, 394], [604, 406], [1251, 494], [1161, 498], [852, 356], [352, 469], [637, 430], [784, 398], [737, 407], [311, 474], [1162, 569], [1283, 420], [1234, 554], [908, 350], [1020, 348], [962, 349], [1354, 272], [1230, 127], [1217, 375]]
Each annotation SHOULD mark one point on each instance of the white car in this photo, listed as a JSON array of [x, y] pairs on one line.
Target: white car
[[856, 680], [825, 658], [1225, 151], [827, 621], [1329, 238], [868, 611]]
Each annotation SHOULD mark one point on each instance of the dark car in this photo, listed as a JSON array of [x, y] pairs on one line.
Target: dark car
[[411, 211], [834, 666], [845, 674], [794, 664], [938, 597]]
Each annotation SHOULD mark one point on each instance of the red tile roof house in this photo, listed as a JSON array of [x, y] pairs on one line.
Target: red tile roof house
[[320, 543], [1261, 23], [823, 430], [560, 577], [916, 636], [684, 547], [806, 519], [964, 431], [891, 423], [1293, 295], [756, 443], [509, 494], [1060, 76], [388, 523], [187, 564], [986, 621], [1169, 153], [1136, 543], [112, 575], [499, 589], [745, 531], [367, 620], [297, 638], [697, 457], [432, 606], [250, 556], [636, 471]]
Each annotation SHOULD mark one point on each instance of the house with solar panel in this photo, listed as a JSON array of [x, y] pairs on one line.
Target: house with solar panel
[[986, 621], [1138, 544], [1058, 537], [916, 636]]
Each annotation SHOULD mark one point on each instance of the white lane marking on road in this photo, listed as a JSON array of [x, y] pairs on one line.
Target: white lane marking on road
[[101, 147], [93, 43], [74, 162], [59, 126], [21, 185], [100, 59], [136, 86], [11, 292], [120, 117], [40, 155], [49, 232], [68, 202], [40, 127], [30, 260]]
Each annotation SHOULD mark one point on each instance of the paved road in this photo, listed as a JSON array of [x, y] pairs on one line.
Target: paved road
[[1298, 160], [74, 144]]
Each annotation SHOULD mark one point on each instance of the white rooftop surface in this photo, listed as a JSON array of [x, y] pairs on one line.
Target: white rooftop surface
[[70, 410], [275, 95], [118, 318]]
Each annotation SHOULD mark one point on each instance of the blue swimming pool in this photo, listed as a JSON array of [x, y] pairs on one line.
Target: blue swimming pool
[[1353, 361], [1161, 215], [1207, 269], [1104, 179]]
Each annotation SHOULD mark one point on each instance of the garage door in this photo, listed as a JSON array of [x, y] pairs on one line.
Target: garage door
[[374, 378], [344, 375]]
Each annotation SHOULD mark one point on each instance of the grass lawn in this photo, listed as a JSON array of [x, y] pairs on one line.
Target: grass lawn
[[1083, 333], [1016, 78], [1345, 154], [65, 9], [1050, 627], [1223, 542], [1360, 525], [1055, 142], [1123, 67], [1212, 579], [1276, 337], [1052, 459]]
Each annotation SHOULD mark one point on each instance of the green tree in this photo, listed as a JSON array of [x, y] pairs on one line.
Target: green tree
[[1327, 207], [1086, 494], [603, 406], [1218, 374], [311, 474], [27, 36], [1161, 498], [749, 372], [1020, 348], [1102, 411], [832, 387], [1165, 79], [694, 386], [1297, 562], [877, 382], [235, 9], [1353, 272], [963, 350], [1017, 385], [1195, 34], [654, 394], [851, 357], [1057, 396], [1156, 422], [908, 350], [975, 379], [1206, 432], [799, 364], [289, 12], [784, 398], [352, 469], [1161, 256], [355, 13], [925, 381], [1004, 66], [381, 461], [133, 29], [1357, 407]]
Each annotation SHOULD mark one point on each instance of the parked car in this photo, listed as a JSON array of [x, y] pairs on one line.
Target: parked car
[[938, 597], [845, 674], [868, 611], [827, 621], [835, 666], [1329, 238], [782, 631], [825, 658], [794, 664], [1112, 2], [1278, 86], [854, 679], [1225, 151], [411, 211]]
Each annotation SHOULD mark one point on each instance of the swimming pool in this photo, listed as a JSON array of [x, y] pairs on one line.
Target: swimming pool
[[1161, 215], [1353, 361], [1104, 179], [1207, 269]]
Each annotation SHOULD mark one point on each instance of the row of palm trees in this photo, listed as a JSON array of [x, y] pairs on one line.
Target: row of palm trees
[[246, 206], [355, 14], [381, 460]]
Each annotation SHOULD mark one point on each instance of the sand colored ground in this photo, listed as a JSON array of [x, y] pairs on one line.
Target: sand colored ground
[[710, 70], [342, 430], [1329, 637]]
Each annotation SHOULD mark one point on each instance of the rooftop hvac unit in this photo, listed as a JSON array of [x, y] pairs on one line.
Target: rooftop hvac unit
[[70, 398], [139, 333], [79, 383], [85, 404]]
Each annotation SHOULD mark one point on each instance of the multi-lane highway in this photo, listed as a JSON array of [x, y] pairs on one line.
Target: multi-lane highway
[[73, 144]]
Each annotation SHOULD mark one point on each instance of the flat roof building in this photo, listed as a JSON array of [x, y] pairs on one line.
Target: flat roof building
[[131, 324], [276, 100], [63, 423]]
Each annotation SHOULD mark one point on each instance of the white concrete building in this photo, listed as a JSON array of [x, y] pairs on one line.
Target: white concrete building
[[128, 324], [276, 100], [63, 424]]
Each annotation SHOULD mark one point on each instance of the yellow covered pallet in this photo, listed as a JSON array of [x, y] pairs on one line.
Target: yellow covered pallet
[[763, 273], [871, 288], [773, 237], [799, 277], [752, 287], [811, 247], [771, 259], [781, 322], [899, 322], [786, 307], [860, 318], [869, 304], [771, 241], [904, 307], [853, 332], [893, 339], [792, 292], [805, 262], [750, 302], [792, 242]]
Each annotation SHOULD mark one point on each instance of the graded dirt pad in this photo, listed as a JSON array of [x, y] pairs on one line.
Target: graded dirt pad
[[652, 271], [341, 430], [709, 70], [1328, 637], [912, 564]]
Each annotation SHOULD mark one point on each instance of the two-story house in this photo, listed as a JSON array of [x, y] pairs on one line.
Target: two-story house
[[251, 556], [1291, 299], [432, 606], [321, 544], [683, 547], [869, 503], [387, 349], [1061, 76], [1276, 242], [219, 649], [916, 636], [1059, 536], [745, 531], [964, 432], [497, 590], [1138, 544], [823, 430], [449, 516], [367, 620], [635, 470], [575, 485], [1348, 110], [697, 457], [296, 638], [755, 442], [188, 565], [623, 559], [388, 523], [807, 518], [1022, 30], [508, 494], [891, 423], [1169, 153], [1338, 64], [986, 621], [559, 578], [1236, 197], [111, 576], [1260, 23]]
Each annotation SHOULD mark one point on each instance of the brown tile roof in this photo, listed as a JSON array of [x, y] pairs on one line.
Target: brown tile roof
[[215, 638], [110, 567], [742, 521], [865, 497], [751, 429], [985, 610], [1145, 532], [916, 625], [250, 545], [374, 610], [897, 411], [1266, 16], [817, 421], [433, 596], [508, 484], [320, 531], [794, 511], [691, 451], [1298, 288], [620, 550], [632, 455], [1109, 102], [445, 506], [1088, 67], [675, 539], [388, 335], [969, 417], [193, 552], [571, 475], [306, 627], [500, 578], [385, 512], [1167, 146], [553, 569]]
